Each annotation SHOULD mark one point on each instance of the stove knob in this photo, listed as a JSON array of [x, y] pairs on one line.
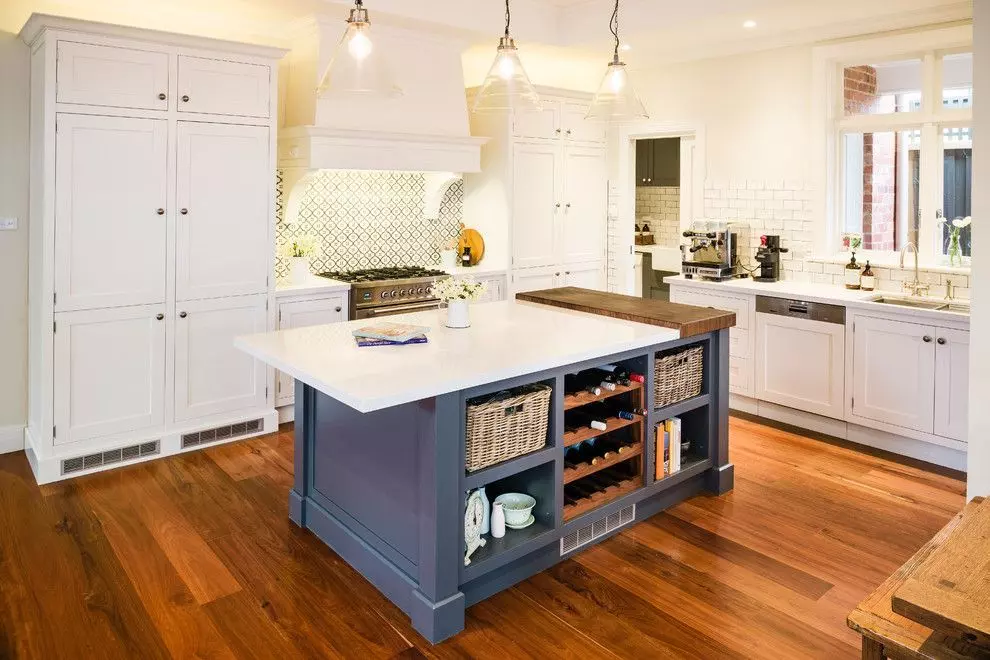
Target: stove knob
[[384, 294], [402, 292], [420, 290]]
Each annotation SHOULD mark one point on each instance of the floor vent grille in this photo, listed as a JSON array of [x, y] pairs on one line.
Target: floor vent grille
[[111, 457], [597, 529], [221, 433]]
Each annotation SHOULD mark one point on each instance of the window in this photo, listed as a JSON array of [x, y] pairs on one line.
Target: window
[[899, 111]]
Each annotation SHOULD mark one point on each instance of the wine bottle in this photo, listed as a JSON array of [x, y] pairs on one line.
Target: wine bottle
[[584, 419], [588, 451]]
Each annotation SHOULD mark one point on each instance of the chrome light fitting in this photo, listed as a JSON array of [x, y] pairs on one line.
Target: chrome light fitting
[[506, 88], [357, 68], [616, 100]]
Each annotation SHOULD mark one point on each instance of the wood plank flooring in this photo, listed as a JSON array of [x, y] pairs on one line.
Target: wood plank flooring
[[194, 556]]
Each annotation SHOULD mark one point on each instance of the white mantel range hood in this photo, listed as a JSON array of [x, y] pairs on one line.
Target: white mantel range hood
[[425, 129]]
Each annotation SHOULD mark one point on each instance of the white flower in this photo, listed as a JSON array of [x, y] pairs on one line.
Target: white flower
[[300, 246], [959, 223], [451, 288]]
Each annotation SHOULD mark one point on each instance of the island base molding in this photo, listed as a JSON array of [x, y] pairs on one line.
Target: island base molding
[[948, 457]]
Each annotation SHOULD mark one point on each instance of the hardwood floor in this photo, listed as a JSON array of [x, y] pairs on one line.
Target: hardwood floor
[[194, 556]]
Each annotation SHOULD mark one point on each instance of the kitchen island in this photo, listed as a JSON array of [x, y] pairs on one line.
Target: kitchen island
[[380, 462]]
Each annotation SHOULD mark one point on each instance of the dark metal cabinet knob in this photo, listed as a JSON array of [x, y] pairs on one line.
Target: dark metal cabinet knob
[[160, 317], [184, 211], [162, 96], [568, 205], [336, 309], [160, 211], [568, 131], [182, 315], [941, 341], [926, 339], [185, 98]]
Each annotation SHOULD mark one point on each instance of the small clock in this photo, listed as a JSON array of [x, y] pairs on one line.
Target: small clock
[[474, 513]]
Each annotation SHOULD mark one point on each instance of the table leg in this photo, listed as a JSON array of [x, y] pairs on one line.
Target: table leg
[[872, 649]]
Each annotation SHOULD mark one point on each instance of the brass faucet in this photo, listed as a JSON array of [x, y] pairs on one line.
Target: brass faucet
[[915, 287], [950, 290]]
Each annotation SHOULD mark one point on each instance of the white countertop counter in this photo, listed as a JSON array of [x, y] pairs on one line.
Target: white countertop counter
[[506, 339], [313, 285], [479, 271], [825, 293]]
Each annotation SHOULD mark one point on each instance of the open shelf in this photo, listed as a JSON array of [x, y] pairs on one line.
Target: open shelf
[[602, 498], [587, 433], [584, 398], [507, 468], [498, 552], [585, 469], [681, 407]]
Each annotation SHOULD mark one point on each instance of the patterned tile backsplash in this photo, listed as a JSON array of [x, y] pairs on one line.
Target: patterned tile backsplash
[[370, 220]]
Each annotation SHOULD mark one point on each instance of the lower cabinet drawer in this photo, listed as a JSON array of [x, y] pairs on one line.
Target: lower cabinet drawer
[[739, 345], [740, 376], [704, 299]]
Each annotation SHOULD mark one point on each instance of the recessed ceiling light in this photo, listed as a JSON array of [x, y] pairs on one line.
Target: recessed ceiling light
[[626, 47], [749, 25]]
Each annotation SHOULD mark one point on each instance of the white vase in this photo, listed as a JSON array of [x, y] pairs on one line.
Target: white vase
[[498, 521], [486, 519], [299, 270], [448, 259], [458, 315]]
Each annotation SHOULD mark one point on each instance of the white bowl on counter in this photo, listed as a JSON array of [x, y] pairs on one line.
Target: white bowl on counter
[[517, 506]]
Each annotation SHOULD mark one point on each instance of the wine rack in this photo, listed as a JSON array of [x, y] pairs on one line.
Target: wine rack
[[579, 399], [600, 458], [598, 489]]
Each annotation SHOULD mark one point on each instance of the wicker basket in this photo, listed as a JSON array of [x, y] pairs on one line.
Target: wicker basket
[[511, 424], [678, 375]]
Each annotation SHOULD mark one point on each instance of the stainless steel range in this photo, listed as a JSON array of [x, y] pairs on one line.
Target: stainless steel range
[[387, 291]]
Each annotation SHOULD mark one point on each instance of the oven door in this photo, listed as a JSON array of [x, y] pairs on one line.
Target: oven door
[[392, 310]]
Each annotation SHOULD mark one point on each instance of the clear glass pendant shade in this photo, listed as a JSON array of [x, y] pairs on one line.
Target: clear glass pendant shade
[[616, 100], [507, 87], [357, 69]]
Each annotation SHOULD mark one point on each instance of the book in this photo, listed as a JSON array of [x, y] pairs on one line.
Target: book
[[369, 341], [388, 331], [675, 444]]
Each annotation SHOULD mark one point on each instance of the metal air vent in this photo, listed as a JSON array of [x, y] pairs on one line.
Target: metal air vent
[[221, 433], [110, 457], [597, 529]]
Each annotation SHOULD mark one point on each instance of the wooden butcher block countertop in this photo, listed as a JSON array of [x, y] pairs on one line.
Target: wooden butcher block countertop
[[687, 319]]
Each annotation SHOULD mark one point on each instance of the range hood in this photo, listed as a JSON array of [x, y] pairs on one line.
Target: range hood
[[425, 129]]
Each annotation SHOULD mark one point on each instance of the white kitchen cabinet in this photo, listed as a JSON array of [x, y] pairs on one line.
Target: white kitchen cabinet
[[560, 118], [112, 76], [585, 195], [109, 372], [536, 204], [302, 313], [952, 383], [576, 127], [224, 195], [111, 211], [893, 377], [535, 279], [586, 276], [542, 123], [802, 364], [211, 375], [496, 290], [222, 87]]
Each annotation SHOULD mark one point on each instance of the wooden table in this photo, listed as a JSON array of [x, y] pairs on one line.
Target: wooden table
[[888, 634]]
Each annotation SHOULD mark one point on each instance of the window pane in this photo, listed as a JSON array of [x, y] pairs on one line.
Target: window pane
[[957, 80], [957, 192], [873, 89], [880, 181]]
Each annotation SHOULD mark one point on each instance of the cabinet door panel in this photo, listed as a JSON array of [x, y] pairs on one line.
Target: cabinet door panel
[[801, 364], [894, 373], [543, 123], [534, 279], [952, 384], [586, 276], [576, 127], [111, 182], [211, 376], [302, 314], [109, 372], [585, 205], [224, 198], [111, 76], [220, 87], [535, 204]]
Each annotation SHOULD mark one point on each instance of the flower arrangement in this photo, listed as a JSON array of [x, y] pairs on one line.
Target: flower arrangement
[[955, 230], [450, 288], [300, 247]]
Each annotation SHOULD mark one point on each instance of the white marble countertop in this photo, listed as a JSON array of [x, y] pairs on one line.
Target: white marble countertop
[[506, 339], [826, 293], [313, 285]]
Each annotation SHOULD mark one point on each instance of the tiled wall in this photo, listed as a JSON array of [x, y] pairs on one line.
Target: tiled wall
[[890, 279], [660, 206], [370, 220]]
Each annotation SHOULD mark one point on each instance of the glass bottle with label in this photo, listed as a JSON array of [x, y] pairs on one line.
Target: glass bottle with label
[[853, 271], [868, 280]]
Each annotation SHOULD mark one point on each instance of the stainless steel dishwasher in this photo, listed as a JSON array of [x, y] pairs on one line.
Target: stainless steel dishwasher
[[800, 354]]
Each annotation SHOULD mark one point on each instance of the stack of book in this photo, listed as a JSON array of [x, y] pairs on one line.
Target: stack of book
[[385, 333], [668, 448]]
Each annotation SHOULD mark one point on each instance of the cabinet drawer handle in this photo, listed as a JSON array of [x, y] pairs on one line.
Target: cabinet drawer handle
[[182, 315], [557, 131], [160, 211], [336, 309], [184, 211], [556, 274], [941, 341], [568, 131], [926, 339], [160, 317], [162, 96], [557, 205], [568, 205], [185, 98]]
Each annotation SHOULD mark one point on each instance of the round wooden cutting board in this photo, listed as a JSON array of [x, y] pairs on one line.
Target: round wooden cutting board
[[472, 238]]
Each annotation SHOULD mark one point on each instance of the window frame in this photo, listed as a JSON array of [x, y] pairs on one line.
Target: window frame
[[831, 124]]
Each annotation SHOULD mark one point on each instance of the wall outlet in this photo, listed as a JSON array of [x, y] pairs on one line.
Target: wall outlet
[[8, 224]]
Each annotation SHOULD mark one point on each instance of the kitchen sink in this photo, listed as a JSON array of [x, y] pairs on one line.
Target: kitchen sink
[[922, 303]]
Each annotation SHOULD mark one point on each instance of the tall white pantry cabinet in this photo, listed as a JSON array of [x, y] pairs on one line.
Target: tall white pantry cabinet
[[151, 243]]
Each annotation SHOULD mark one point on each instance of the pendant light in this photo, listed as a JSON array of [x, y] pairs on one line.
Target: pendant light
[[356, 68], [616, 100], [507, 87]]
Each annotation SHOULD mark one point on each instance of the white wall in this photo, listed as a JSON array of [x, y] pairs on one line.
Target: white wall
[[979, 362], [13, 244]]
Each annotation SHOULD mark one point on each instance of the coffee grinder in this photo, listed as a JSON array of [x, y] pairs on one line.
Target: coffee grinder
[[768, 256]]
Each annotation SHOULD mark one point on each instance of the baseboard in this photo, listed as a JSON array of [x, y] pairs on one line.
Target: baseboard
[[11, 439], [286, 414]]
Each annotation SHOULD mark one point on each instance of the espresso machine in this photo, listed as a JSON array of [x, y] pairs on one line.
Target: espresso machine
[[714, 250], [768, 256]]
